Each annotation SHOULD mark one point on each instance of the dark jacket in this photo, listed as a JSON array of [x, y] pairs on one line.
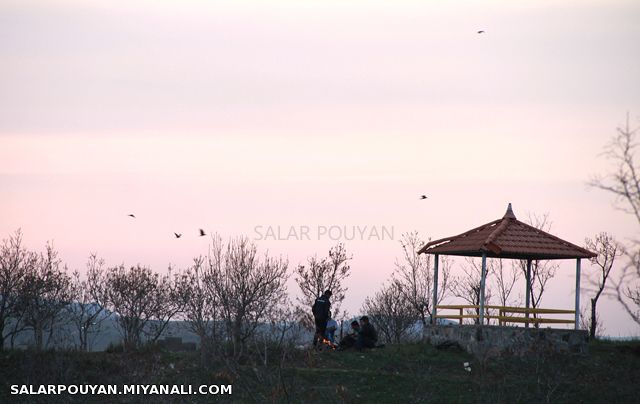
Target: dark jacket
[[321, 307], [368, 332]]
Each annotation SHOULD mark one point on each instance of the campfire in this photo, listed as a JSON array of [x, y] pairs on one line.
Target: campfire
[[326, 345]]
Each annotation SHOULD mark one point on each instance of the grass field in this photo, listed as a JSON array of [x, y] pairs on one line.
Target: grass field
[[411, 373]]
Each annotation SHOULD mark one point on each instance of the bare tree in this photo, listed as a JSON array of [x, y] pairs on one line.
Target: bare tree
[[143, 301], [45, 294], [15, 262], [320, 275], [87, 309], [414, 275], [627, 286], [608, 250], [624, 183], [201, 311], [247, 288], [277, 335], [468, 286], [541, 270], [169, 304], [585, 321], [506, 277], [392, 314]]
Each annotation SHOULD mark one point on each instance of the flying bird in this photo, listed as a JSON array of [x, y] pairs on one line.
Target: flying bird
[[131, 215], [178, 235], [202, 233], [481, 32], [423, 197]]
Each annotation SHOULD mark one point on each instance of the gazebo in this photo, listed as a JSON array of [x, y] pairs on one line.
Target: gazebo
[[507, 237]]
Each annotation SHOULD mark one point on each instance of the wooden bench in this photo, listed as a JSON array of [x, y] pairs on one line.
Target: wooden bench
[[503, 316]]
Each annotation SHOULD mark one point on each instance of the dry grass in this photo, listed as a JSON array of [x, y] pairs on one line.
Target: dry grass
[[412, 373]]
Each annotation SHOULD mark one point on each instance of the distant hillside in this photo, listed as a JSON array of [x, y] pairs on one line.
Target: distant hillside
[[66, 337]]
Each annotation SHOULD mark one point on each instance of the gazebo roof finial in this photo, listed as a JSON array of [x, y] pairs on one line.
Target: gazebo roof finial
[[509, 214]]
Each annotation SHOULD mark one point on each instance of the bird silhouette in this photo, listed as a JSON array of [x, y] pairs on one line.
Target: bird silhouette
[[423, 197], [178, 235], [131, 215], [202, 233], [481, 32]]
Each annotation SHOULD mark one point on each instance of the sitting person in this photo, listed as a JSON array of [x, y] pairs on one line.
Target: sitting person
[[332, 326], [349, 340], [367, 337]]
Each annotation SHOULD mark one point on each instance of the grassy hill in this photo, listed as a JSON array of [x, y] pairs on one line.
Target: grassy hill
[[408, 373]]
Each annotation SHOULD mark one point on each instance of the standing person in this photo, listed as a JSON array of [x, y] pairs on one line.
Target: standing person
[[321, 310], [367, 337]]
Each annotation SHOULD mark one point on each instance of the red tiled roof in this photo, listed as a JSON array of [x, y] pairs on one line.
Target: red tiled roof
[[507, 238]]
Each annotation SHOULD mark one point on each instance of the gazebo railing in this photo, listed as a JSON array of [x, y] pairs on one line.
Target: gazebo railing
[[504, 314]]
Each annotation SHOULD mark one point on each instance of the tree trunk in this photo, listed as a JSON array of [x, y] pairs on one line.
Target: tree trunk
[[83, 339], [2, 324], [237, 334], [37, 333], [594, 320]]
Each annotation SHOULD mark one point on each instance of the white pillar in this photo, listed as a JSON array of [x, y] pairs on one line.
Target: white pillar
[[577, 325], [483, 277], [434, 302], [528, 294]]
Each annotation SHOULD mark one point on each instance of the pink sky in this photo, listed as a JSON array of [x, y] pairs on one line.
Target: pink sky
[[231, 115]]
